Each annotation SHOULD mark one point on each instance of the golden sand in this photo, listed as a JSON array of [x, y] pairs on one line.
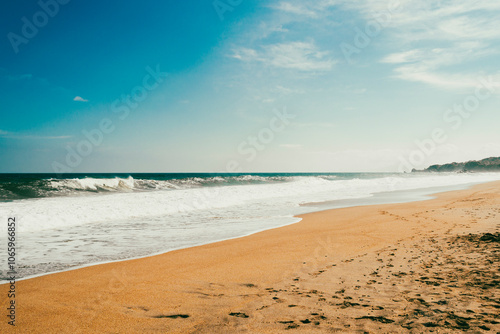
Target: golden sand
[[409, 267]]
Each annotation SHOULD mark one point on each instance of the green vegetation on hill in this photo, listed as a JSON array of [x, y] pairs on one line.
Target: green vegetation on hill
[[485, 165]]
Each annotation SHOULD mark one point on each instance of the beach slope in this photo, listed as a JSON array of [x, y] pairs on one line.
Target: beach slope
[[412, 267]]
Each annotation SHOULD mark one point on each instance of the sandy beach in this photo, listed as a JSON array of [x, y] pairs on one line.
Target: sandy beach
[[428, 266]]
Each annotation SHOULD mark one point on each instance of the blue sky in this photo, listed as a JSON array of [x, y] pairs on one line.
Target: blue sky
[[367, 85]]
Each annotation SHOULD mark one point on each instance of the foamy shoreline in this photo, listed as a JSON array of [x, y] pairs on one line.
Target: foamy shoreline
[[249, 283], [399, 196]]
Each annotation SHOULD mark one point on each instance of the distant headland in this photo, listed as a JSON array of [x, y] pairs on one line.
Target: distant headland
[[486, 165]]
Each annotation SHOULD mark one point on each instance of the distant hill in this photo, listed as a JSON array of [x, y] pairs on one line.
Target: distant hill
[[485, 165]]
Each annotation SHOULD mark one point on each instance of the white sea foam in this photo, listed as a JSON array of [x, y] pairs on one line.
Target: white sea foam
[[93, 184], [60, 212], [59, 232]]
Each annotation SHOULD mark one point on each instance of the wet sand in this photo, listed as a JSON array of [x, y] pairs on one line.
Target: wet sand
[[427, 266]]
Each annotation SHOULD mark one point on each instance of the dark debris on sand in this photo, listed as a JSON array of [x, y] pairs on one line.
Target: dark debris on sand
[[173, 316], [445, 285], [238, 314]]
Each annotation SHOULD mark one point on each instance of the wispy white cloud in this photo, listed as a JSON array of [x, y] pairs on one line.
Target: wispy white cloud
[[80, 99], [403, 57], [27, 77], [292, 146], [295, 8], [457, 81], [302, 56], [13, 135], [245, 54], [18, 77], [354, 90], [430, 65], [314, 125], [287, 91], [309, 8], [464, 30]]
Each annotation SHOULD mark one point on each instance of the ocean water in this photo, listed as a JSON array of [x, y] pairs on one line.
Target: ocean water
[[83, 219]]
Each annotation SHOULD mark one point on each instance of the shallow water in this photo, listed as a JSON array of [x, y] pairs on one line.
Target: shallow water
[[77, 223]]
